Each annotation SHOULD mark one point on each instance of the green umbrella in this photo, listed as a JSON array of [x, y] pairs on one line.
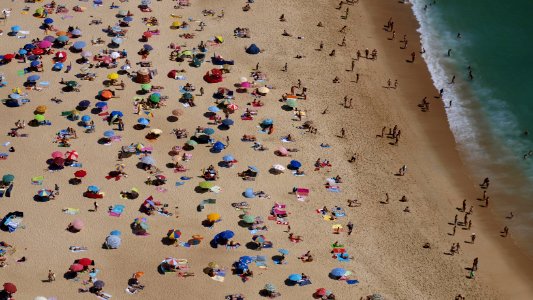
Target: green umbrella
[[155, 98], [8, 178], [192, 143], [187, 96], [227, 101], [146, 87], [72, 83], [206, 184], [248, 219], [39, 118], [292, 103], [145, 226], [186, 52]]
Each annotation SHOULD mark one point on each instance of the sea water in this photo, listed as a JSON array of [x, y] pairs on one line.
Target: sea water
[[490, 113]]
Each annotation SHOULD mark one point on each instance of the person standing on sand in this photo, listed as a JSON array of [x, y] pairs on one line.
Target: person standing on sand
[[464, 206], [358, 54], [350, 227], [469, 224], [343, 132], [95, 204], [321, 46], [454, 228], [393, 35], [413, 54], [386, 198], [453, 80], [388, 83], [51, 276], [201, 91], [343, 43], [487, 202], [353, 66], [343, 29], [505, 231], [455, 220], [475, 264], [357, 78], [473, 237], [257, 67], [395, 83], [383, 131], [285, 68]]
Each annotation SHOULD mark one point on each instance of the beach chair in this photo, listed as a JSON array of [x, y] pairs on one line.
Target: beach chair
[[301, 194]]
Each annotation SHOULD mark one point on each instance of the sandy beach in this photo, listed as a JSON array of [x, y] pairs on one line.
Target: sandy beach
[[386, 245]]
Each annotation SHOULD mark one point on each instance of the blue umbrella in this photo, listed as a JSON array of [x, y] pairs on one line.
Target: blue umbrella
[[116, 28], [48, 21], [228, 122], [127, 19], [113, 241], [143, 121], [33, 78], [283, 251], [213, 109], [49, 38], [148, 47], [116, 113], [93, 188], [218, 146], [15, 28], [249, 193], [79, 45], [228, 234], [295, 277], [115, 232], [23, 51], [148, 160], [228, 158], [84, 103], [117, 40], [295, 164], [338, 272], [253, 169], [62, 39], [85, 118], [208, 131], [146, 2], [268, 122], [245, 259], [76, 32], [35, 63], [109, 133], [14, 96], [29, 46], [100, 105], [33, 57], [58, 66]]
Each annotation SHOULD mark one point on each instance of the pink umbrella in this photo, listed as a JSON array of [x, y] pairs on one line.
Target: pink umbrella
[[233, 107], [57, 154], [246, 84], [77, 224], [107, 59], [45, 44], [283, 151], [76, 268]]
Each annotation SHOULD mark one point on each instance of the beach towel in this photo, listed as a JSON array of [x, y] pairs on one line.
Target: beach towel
[[339, 258], [185, 105], [285, 140], [294, 173], [334, 189], [71, 211], [161, 189], [352, 281], [185, 244], [180, 183], [104, 296], [117, 210], [76, 165]]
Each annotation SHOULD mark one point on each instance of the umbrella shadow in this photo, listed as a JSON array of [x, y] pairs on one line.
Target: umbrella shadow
[[285, 107], [200, 190], [223, 127], [252, 246], [139, 127], [243, 224], [168, 241], [70, 275], [289, 282], [172, 119]]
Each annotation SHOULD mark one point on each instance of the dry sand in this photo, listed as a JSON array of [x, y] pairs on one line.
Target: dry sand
[[387, 242]]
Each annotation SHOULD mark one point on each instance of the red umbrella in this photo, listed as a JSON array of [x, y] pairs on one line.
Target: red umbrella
[[147, 34], [107, 59], [61, 54], [72, 155], [80, 173], [321, 292], [233, 107], [9, 56], [10, 288], [37, 51], [85, 261], [76, 268]]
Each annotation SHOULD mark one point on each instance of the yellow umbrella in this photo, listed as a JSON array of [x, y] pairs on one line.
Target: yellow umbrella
[[112, 76], [41, 109], [212, 265], [213, 217], [336, 226], [219, 39], [176, 24]]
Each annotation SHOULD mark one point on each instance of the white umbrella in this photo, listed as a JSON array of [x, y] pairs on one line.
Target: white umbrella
[[115, 55], [263, 90], [156, 131], [278, 168]]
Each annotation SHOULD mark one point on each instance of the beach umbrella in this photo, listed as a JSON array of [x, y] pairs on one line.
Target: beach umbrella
[[76, 268], [113, 241], [213, 265], [208, 131], [149, 160], [177, 112], [76, 32], [174, 234], [171, 261], [101, 105], [8, 178], [278, 167], [115, 232], [143, 121], [60, 33], [99, 284], [72, 155], [292, 103], [127, 19], [80, 173], [156, 131], [33, 78], [187, 96], [146, 2], [9, 56], [213, 109], [86, 54], [258, 238], [117, 40], [263, 90], [106, 94], [44, 44], [213, 217], [155, 97], [61, 54], [270, 287], [253, 49], [249, 219], [147, 34], [138, 275], [93, 188], [148, 47], [59, 161], [35, 63], [268, 122], [23, 51], [206, 185], [43, 193], [233, 107], [295, 164], [29, 47], [114, 113], [85, 261], [283, 251], [321, 292], [77, 224], [249, 193], [15, 28], [295, 277], [62, 39], [58, 66], [228, 234], [192, 143], [112, 76], [338, 272], [219, 146], [48, 21], [14, 96], [39, 118], [37, 51], [228, 158], [57, 154], [79, 45], [49, 38], [176, 24], [228, 122], [122, 12], [84, 103], [253, 169], [114, 55], [245, 259], [109, 133], [146, 87], [40, 298]]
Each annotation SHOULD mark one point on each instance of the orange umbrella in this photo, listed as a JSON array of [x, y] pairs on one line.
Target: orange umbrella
[[60, 33], [138, 275], [106, 94]]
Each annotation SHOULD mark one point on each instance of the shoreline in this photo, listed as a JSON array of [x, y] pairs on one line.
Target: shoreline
[[508, 261]]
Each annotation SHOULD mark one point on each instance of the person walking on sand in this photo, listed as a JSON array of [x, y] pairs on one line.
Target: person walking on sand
[[386, 198], [321, 46], [464, 206], [395, 83], [413, 54], [473, 237], [343, 132], [285, 68], [469, 224], [257, 67], [201, 91], [505, 231], [388, 83], [485, 183], [358, 54], [350, 227], [453, 80], [343, 29], [332, 53], [393, 35], [487, 202], [95, 204], [51, 276], [455, 220], [353, 66], [343, 43], [454, 228], [475, 264]]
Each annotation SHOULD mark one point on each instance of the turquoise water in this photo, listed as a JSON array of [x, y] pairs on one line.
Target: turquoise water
[[489, 114]]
